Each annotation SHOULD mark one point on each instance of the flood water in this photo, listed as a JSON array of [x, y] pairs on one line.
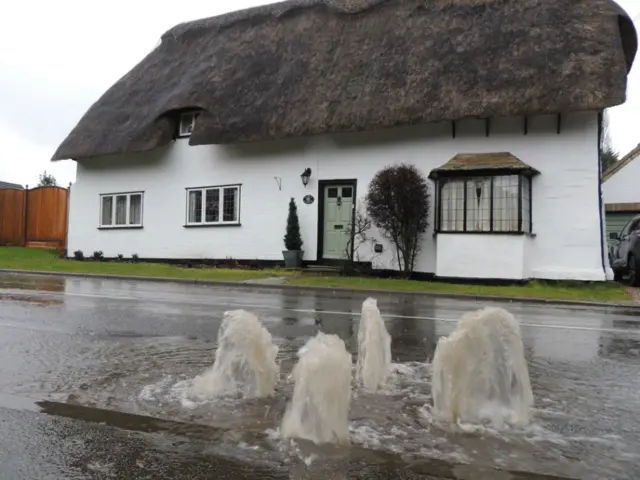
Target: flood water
[[134, 347]]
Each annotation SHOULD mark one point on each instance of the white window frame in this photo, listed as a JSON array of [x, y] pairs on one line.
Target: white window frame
[[203, 217], [187, 123], [128, 210]]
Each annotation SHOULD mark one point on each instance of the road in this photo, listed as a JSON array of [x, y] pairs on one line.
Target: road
[[93, 374]]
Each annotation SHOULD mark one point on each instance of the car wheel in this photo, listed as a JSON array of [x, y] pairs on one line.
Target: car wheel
[[632, 269], [617, 275]]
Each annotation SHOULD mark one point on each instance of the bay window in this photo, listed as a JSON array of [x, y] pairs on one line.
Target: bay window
[[484, 193], [213, 205], [121, 210]]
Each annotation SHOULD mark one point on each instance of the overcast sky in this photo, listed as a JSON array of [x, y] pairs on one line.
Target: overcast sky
[[58, 57]]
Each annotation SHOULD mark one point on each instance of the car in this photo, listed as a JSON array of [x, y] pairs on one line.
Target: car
[[624, 253]]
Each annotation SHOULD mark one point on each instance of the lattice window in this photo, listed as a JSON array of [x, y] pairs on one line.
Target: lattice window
[[499, 203], [213, 205]]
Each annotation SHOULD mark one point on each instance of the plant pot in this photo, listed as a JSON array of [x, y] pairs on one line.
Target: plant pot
[[292, 258]]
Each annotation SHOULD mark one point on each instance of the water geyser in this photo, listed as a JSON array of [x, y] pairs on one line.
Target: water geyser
[[245, 362], [480, 375], [374, 348], [319, 408]]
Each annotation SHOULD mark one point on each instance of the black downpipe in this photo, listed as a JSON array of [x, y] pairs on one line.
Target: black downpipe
[[602, 246], [464, 213], [519, 203]]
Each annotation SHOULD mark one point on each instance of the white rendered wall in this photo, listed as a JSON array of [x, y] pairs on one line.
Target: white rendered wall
[[481, 256], [565, 196], [624, 185]]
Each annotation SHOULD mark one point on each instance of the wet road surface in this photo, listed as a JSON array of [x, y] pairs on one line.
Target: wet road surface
[[114, 360]]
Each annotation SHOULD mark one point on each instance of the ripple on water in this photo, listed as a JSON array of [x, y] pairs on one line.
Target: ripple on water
[[576, 428]]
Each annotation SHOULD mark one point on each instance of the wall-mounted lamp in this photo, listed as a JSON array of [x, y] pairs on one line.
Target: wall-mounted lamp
[[306, 175]]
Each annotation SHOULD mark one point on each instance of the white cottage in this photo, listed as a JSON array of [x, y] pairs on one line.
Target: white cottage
[[195, 153]]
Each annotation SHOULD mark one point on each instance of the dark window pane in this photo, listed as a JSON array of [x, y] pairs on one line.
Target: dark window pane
[[526, 212], [107, 209], [195, 206], [121, 210], [187, 122], [135, 209], [332, 192], [452, 206], [213, 205], [478, 205], [347, 192], [505, 203], [230, 205]]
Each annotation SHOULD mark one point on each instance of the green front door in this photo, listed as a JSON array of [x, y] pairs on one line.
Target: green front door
[[338, 218]]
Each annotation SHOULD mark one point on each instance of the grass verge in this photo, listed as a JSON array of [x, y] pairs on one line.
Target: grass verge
[[594, 292], [33, 259], [19, 258]]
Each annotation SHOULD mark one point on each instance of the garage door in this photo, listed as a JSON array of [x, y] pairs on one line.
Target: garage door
[[616, 221]]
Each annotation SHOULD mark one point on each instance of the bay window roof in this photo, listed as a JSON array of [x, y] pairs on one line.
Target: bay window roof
[[498, 163]]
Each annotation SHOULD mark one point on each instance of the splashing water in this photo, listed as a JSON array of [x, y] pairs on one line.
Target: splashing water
[[245, 362], [319, 408], [374, 348], [480, 375]]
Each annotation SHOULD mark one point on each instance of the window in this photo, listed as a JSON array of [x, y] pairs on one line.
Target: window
[[630, 227], [213, 205], [121, 210], [187, 122], [499, 203]]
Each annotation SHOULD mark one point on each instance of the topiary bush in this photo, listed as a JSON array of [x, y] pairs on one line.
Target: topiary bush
[[292, 238]]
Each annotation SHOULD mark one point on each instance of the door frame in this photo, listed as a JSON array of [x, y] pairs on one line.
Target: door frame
[[322, 184]]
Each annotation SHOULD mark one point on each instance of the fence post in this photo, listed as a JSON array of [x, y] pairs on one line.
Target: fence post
[[66, 228], [26, 214]]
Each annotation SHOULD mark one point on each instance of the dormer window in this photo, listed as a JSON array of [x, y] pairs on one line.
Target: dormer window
[[187, 122]]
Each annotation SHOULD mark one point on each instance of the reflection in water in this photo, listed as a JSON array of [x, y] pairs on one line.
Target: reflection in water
[[412, 338], [33, 299], [128, 352], [619, 344], [31, 282], [329, 323]]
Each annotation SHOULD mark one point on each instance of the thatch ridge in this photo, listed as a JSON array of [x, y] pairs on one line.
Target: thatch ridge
[[304, 67]]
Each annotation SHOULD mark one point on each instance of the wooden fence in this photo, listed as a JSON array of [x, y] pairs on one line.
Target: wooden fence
[[34, 218]]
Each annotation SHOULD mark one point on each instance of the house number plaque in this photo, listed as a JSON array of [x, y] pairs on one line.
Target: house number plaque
[[308, 199]]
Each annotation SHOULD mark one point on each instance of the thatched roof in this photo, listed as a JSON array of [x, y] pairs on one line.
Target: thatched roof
[[305, 67], [473, 163], [620, 164]]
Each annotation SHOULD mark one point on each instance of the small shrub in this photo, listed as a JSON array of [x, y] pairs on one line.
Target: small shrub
[[135, 258], [292, 238], [98, 256], [78, 255], [120, 257]]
